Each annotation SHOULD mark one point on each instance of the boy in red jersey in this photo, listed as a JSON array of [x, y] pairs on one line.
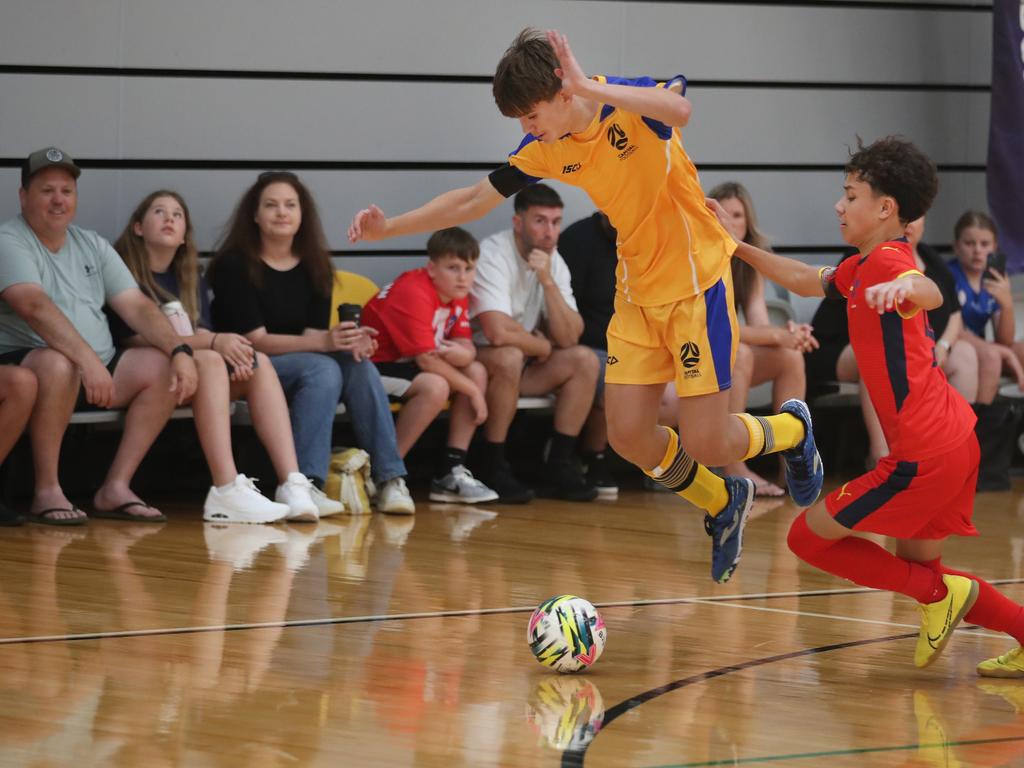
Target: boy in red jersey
[[923, 491], [422, 320], [620, 140]]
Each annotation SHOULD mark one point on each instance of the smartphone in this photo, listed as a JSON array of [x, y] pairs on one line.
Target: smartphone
[[349, 313], [996, 263]]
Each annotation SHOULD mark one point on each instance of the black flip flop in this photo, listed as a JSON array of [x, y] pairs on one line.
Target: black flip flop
[[42, 519], [121, 513]]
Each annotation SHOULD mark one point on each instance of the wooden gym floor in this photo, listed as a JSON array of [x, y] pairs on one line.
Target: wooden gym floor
[[383, 641]]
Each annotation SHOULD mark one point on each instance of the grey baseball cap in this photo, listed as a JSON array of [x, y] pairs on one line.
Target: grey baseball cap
[[47, 158]]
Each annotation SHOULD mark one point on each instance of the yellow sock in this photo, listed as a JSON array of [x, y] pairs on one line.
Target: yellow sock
[[685, 477], [771, 434]]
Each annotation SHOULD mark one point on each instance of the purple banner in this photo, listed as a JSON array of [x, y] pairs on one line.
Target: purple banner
[[1006, 130]]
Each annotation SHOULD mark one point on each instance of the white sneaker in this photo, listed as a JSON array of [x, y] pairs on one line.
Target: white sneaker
[[241, 503], [239, 545], [459, 486], [325, 505], [394, 498], [295, 492]]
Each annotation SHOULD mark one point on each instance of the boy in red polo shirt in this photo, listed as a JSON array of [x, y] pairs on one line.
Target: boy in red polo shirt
[[424, 336], [923, 491]]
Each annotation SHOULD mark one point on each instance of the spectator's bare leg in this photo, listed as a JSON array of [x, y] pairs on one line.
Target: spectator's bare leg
[[570, 373], [58, 381], [461, 426], [269, 411], [422, 402], [142, 384], [990, 367], [504, 373], [594, 438], [962, 370], [17, 396], [212, 409]]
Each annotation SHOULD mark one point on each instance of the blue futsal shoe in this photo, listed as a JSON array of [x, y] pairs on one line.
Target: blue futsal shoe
[[804, 473], [726, 528]]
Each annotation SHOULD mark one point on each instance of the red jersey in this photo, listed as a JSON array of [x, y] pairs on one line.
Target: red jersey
[[922, 416], [411, 320]]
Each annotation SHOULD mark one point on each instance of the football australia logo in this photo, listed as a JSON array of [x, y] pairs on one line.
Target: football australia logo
[[617, 137], [689, 356], [620, 141]]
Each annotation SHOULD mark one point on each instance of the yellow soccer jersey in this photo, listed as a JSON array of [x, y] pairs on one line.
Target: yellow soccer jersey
[[634, 168]]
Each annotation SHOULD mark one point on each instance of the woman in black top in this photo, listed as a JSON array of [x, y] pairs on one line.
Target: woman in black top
[[272, 281]]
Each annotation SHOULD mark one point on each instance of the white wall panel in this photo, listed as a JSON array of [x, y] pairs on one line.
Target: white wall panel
[[731, 41], [709, 40], [222, 119], [60, 32]]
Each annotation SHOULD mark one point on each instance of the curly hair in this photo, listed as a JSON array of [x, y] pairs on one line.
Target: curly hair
[[896, 168]]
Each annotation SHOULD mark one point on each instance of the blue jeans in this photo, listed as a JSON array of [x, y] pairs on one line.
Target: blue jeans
[[314, 382]]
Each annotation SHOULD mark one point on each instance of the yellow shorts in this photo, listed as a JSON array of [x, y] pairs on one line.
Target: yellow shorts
[[692, 342]]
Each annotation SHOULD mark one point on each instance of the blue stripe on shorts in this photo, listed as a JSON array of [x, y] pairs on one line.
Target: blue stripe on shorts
[[719, 332]]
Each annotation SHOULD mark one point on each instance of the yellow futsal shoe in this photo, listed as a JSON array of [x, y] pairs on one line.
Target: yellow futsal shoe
[[1008, 665], [939, 619]]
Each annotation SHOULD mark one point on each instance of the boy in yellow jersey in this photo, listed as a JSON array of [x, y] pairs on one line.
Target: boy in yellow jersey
[[674, 319]]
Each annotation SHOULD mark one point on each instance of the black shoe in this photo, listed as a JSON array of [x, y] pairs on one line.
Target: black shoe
[[565, 480], [599, 475], [504, 483], [10, 518]]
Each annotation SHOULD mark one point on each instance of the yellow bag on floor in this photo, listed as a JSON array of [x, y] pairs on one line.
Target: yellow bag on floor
[[349, 481]]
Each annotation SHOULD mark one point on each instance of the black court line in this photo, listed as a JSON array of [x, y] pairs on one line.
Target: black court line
[[339, 620], [574, 759], [420, 77]]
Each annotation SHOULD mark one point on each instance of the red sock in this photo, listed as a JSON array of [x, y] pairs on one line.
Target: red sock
[[993, 609], [864, 562]]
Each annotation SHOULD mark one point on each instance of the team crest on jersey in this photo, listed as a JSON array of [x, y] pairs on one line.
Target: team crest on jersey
[[620, 141]]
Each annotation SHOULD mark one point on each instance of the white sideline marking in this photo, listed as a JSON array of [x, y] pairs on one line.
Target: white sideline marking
[[712, 600]]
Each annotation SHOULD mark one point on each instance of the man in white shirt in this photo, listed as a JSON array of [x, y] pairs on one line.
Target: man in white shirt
[[527, 328]]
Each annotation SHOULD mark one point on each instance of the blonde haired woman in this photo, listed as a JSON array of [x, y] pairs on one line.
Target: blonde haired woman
[[157, 245]]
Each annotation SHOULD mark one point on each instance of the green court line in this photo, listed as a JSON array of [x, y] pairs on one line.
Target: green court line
[[840, 752]]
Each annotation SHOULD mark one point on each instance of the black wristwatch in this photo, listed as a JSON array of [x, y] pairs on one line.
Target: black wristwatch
[[182, 348]]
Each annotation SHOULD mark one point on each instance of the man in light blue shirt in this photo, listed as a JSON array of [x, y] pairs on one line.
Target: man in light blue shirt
[[55, 279]]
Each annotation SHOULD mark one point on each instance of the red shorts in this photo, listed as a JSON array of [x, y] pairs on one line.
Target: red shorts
[[929, 499]]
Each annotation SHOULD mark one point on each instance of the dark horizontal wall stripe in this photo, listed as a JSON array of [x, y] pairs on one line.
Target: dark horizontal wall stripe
[[416, 165], [399, 77], [894, 5], [391, 253]]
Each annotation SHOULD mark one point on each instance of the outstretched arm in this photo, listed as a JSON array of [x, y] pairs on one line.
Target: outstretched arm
[[446, 210], [666, 105], [800, 278]]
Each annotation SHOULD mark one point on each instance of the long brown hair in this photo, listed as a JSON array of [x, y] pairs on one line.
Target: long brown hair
[[309, 245], [743, 275], [184, 265]]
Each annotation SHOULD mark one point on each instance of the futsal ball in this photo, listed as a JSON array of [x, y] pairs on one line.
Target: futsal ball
[[566, 633]]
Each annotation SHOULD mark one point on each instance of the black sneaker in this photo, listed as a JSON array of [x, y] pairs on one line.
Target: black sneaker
[[504, 483], [599, 475], [565, 481]]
